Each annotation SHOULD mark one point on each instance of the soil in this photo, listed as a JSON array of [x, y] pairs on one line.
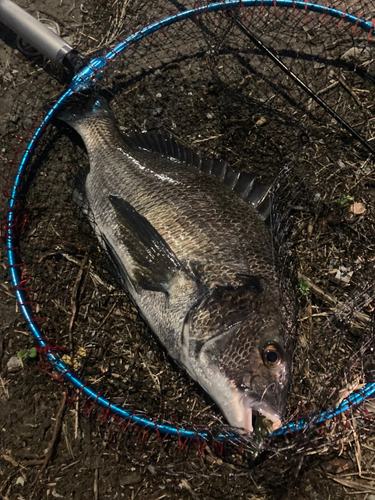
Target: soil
[[213, 91]]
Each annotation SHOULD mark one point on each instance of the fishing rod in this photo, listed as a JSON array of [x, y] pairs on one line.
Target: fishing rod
[[271, 54]]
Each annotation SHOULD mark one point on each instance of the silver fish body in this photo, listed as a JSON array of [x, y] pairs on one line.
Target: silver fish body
[[197, 261]]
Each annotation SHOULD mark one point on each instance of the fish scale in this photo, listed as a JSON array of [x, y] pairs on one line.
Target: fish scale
[[196, 259]]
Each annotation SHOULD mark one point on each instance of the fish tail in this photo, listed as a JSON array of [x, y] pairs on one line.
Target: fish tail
[[77, 113]]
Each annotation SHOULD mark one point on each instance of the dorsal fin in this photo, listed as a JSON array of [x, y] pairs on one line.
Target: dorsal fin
[[244, 184]]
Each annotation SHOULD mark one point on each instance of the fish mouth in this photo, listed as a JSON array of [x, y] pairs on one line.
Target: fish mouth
[[246, 407]]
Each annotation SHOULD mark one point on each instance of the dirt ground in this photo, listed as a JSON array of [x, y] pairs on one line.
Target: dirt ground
[[212, 92]]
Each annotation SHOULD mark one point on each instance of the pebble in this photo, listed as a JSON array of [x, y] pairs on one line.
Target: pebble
[[317, 197], [158, 95], [27, 122], [14, 364], [157, 112], [210, 116], [20, 481]]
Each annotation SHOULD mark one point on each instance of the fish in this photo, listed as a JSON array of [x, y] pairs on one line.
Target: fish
[[188, 238]]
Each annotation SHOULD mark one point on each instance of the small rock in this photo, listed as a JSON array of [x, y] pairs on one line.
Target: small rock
[[14, 364], [157, 112], [317, 197], [262, 121], [151, 469], [20, 481], [27, 123], [158, 95], [210, 116]]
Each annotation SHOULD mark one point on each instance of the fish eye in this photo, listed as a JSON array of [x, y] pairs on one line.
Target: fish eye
[[271, 355]]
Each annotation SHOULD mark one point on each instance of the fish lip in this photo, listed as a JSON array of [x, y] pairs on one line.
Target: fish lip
[[246, 405]]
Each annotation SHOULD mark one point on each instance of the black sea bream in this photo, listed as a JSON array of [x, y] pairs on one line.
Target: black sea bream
[[196, 259]]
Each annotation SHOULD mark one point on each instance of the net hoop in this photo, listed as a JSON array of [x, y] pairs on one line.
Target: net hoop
[[85, 79]]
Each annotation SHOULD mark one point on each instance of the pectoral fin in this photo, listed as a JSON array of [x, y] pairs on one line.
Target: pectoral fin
[[154, 263]]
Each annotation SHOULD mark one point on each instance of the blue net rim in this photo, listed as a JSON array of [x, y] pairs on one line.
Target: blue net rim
[[86, 79]]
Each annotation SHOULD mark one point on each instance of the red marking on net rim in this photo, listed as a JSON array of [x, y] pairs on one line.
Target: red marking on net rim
[[165, 31], [143, 434], [275, 10], [366, 413], [196, 17], [201, 447], [44, 367], [329, 19], [88, 409], [158, 433], [244, 15], [355, 27], [342, 20], [307, 21], [295, 12], [128, 422], [10, 182], [219, 448], [181, 445], [68, 399], [369, 36], [38, 320], [261, 13], [107, 412], [305, 411]]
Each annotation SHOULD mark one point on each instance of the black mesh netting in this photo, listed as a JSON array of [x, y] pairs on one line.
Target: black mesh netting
[[205, 83]]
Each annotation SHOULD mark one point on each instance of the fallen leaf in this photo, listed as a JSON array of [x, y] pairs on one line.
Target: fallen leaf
[[338, 465]]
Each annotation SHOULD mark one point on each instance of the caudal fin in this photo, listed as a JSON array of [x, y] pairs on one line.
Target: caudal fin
[[79, 112]]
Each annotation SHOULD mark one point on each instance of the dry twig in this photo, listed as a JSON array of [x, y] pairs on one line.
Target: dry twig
[[362, 318], [75, 298], [51, 446]]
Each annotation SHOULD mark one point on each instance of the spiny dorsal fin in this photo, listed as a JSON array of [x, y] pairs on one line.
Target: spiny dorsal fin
[[244, 184]]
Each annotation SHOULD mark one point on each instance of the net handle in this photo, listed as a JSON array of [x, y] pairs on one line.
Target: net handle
[[43, 39]]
